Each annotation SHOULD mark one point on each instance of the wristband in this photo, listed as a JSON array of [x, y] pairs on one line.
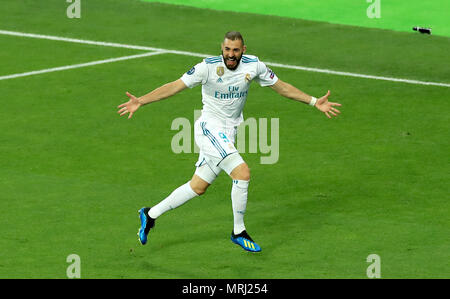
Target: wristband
[[313, 101]]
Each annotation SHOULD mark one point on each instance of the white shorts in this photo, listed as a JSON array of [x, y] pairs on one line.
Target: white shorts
[[217, 150]]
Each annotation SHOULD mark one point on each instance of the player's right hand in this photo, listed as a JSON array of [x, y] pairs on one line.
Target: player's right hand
[[129, 107]]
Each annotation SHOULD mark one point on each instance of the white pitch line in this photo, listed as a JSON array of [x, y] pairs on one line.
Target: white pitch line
[[310, 69], [74, 66], [98, 43], [159, 50]]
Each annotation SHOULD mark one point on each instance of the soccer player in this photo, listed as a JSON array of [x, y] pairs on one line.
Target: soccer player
[[225, 81]]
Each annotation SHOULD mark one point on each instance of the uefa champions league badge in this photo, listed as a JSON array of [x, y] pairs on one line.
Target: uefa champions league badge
[[191, 71]]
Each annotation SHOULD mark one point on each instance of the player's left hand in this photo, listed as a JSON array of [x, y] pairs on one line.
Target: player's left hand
[[327, 107]]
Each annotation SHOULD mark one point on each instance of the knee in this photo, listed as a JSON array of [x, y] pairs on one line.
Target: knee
[[241, 172], [246, 174], [200, 189]]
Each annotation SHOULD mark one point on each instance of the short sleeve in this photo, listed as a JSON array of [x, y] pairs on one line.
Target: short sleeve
[[265, 76], [198, 74]]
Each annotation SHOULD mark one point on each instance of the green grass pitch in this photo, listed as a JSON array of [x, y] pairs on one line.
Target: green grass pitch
[[73, 173], [396, 15]]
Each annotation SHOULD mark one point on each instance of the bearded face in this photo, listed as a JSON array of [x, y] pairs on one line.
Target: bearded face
[[232, 51]]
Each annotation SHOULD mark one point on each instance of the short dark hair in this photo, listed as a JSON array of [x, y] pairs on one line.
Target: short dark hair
[[234, 35]]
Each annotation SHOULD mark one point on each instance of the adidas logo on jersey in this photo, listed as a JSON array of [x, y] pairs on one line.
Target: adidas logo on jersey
[[219, 80]]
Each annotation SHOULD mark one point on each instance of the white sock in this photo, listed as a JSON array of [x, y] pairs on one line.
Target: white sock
[[178, 197], [239, 193]]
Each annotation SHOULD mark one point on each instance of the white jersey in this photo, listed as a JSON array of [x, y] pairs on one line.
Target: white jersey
[[224, 91]]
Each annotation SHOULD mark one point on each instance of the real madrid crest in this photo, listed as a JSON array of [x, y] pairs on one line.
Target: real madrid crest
[[220, 71], [248, 78]]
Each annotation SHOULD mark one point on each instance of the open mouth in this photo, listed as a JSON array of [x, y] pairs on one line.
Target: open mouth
[[231, 61]]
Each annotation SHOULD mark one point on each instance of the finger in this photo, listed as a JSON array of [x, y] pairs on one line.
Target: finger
[[335, 110], [131, 114], [332, 113], [121, 105], [125, 112], [327, 95], [335, 104], [326, 113], [130, 95], [122, 110]]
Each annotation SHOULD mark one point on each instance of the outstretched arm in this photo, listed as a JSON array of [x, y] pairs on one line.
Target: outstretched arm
[[160, 93], [287, 90]]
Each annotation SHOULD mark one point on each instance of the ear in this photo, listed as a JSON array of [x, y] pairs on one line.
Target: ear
[[244, 49]]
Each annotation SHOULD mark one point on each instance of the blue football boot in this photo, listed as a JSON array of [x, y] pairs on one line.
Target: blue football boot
[[146, 224], [244, 240]]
